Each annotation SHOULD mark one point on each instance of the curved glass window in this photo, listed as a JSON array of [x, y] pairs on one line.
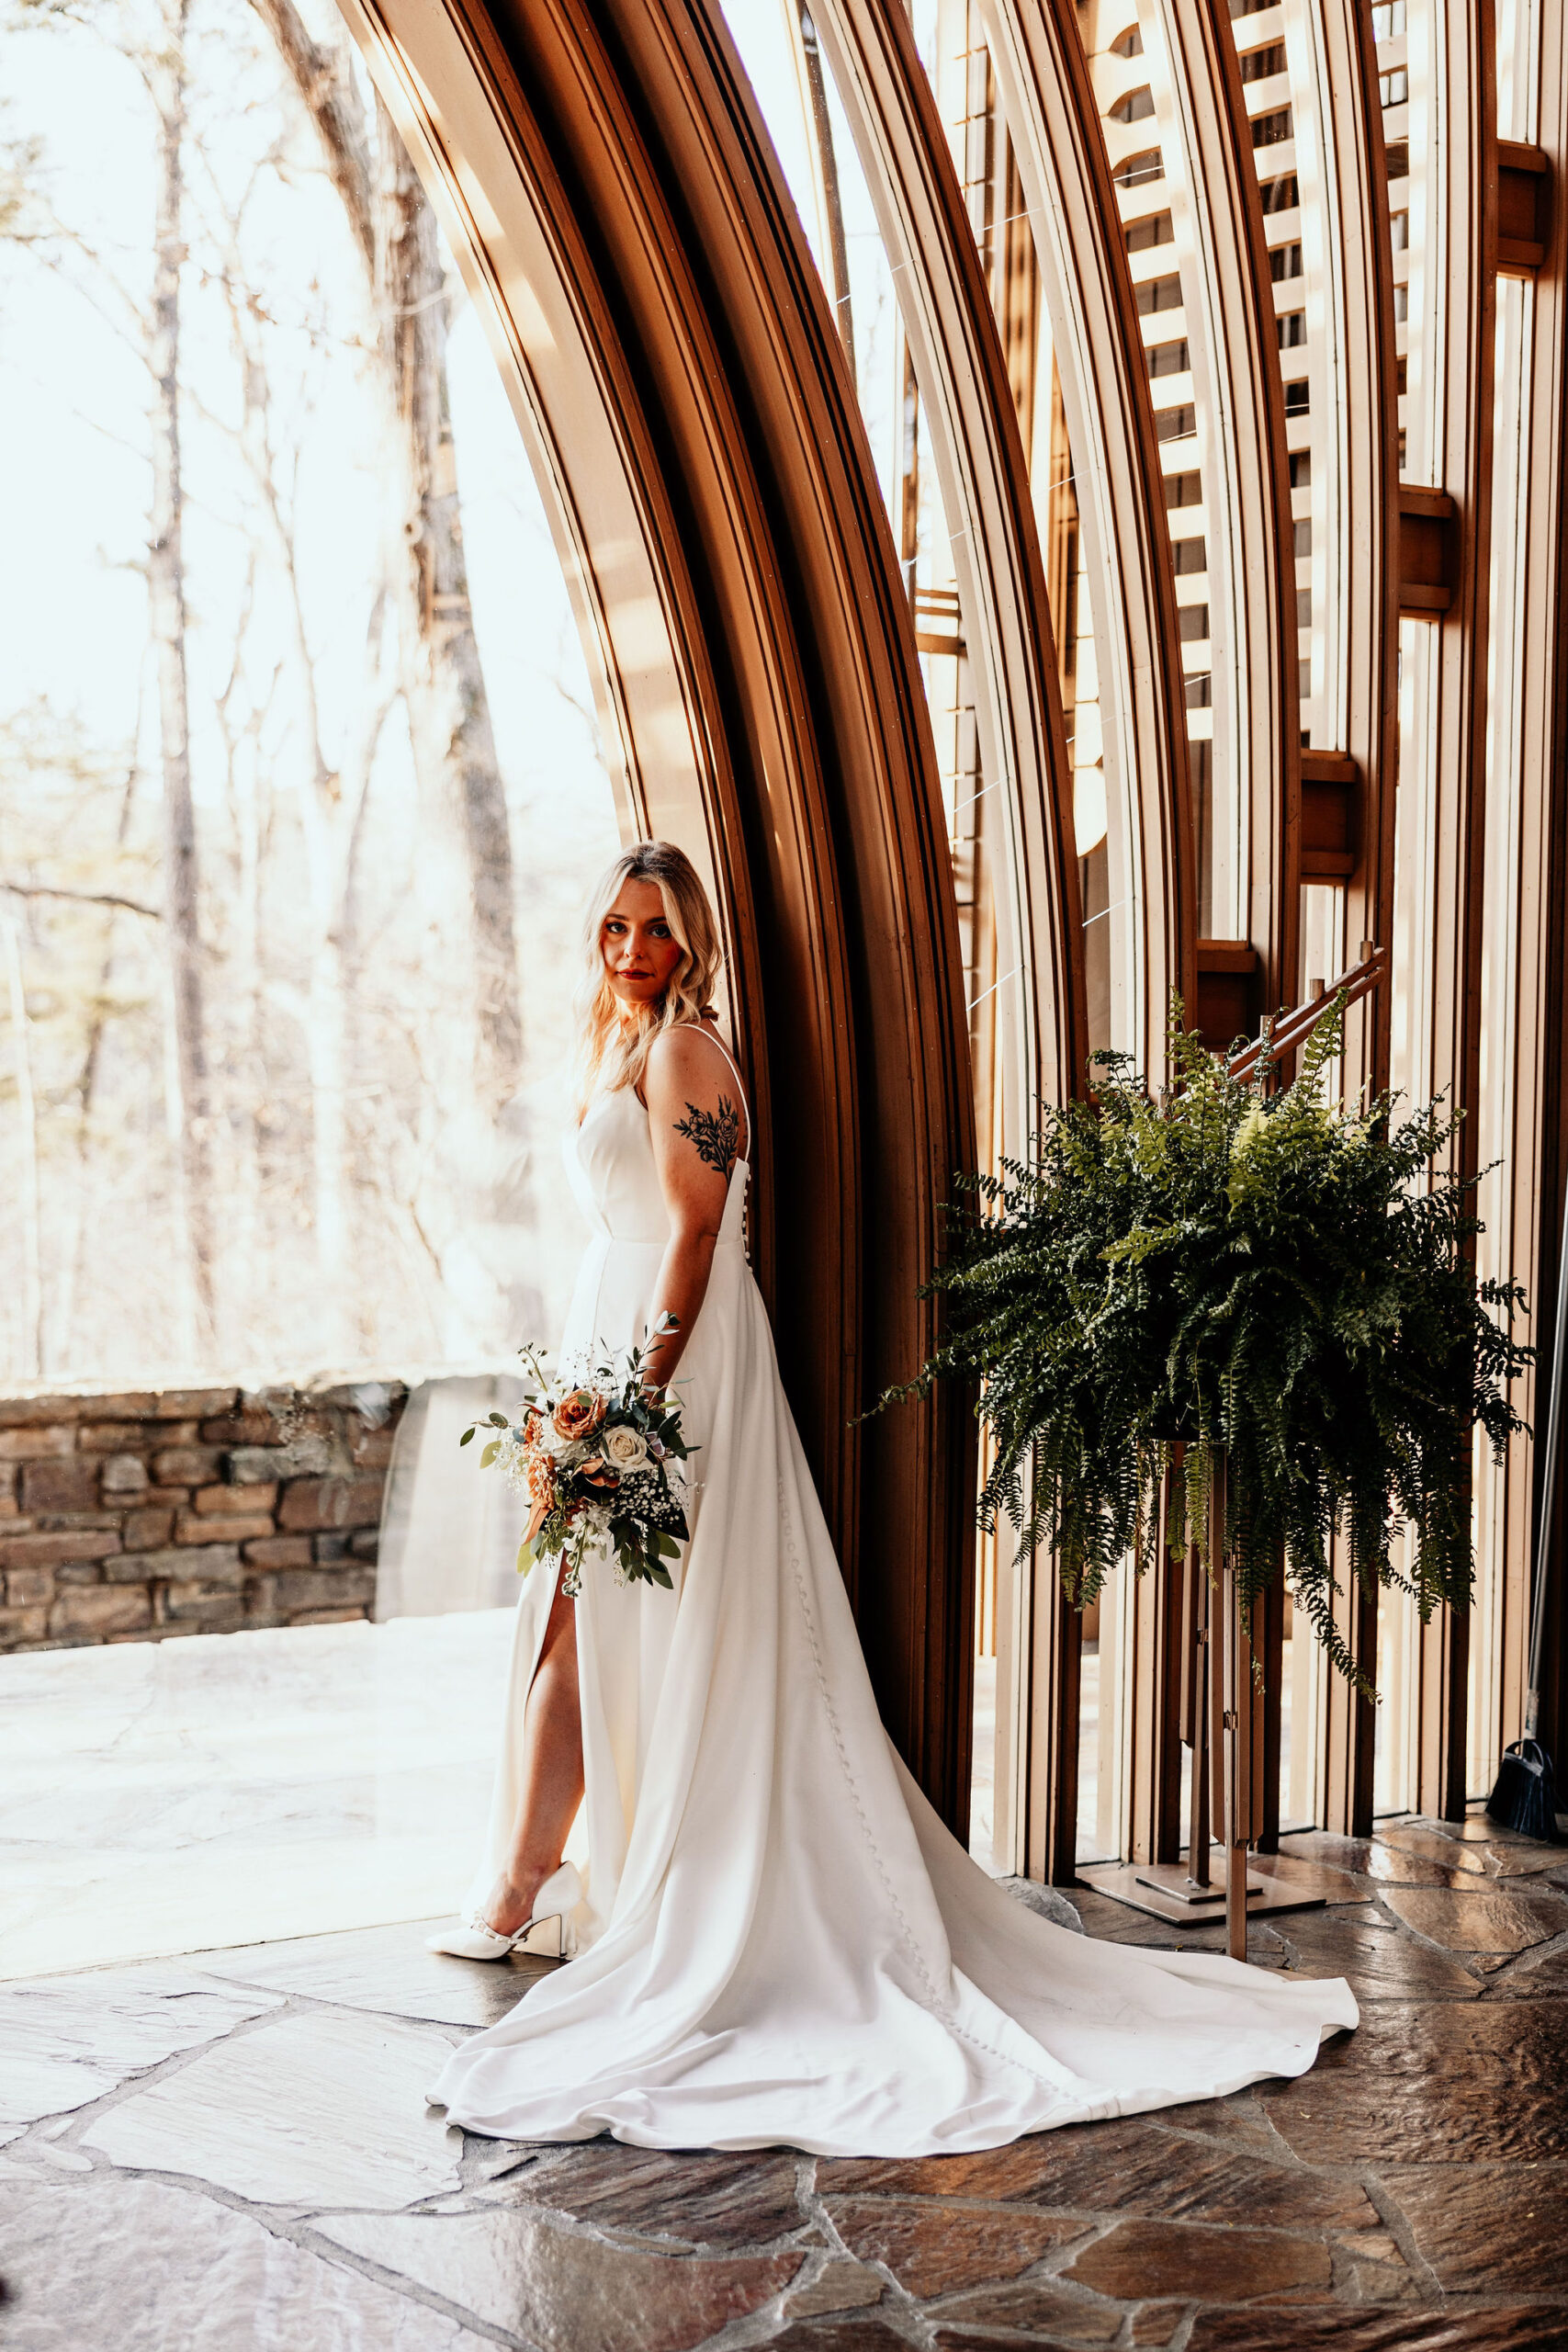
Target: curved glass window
[[282, 1117]]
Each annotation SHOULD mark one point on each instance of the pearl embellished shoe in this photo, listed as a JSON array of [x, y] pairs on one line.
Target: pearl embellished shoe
[[546, 1936]]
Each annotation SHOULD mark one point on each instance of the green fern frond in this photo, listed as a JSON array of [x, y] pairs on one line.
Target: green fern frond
[[1278, 1275]]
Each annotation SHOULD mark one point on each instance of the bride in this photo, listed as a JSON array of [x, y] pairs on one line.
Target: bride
[[776, 1939]]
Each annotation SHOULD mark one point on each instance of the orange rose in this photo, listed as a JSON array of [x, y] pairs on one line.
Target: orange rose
[[533, 1431], [578, 1415], [542, 1481]]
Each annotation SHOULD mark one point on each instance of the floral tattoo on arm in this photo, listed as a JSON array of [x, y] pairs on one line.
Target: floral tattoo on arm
[[715, 1134]]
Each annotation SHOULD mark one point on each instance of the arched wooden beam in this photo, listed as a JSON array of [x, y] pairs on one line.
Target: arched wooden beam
[[1050, 109], [1450, 423], [972, 423], [1544, 1171], [664, 287], [1241, 418], [1355, 396], [1340, 150], [1051, 112], [1538, 1161]]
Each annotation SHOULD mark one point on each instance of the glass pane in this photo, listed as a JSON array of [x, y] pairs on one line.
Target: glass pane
[[1127, 59], [1105, 1719], [1406, 137], [1410, 983], [349, 1101], [273, 1176], [1506, 1122]]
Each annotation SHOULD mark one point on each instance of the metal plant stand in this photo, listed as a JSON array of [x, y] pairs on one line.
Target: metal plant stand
[[1222, 1712], [1220, 1720]]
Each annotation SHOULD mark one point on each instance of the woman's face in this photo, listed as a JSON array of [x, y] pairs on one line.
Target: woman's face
[[640, 951]]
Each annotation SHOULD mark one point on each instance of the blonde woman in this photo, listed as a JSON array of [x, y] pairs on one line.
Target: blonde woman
[[777, 1940]]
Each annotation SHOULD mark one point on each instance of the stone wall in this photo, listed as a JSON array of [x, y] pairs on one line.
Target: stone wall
[[189, 1510]]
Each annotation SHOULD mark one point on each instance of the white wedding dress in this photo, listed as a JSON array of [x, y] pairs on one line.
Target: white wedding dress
[[779, 1942]]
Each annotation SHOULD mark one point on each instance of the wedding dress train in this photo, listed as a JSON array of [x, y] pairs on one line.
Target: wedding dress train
[[779, 1942]]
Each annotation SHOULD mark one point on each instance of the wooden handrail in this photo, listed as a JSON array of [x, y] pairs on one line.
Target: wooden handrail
[[1293, 1028]]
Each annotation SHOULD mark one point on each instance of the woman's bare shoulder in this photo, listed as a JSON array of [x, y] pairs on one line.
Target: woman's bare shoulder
[[686, 1055]]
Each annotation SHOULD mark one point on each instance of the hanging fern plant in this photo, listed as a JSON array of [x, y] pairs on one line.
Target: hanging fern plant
[[1275, 1275]]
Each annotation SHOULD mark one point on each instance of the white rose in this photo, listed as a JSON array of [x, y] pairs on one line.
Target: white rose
[[625, 1449]]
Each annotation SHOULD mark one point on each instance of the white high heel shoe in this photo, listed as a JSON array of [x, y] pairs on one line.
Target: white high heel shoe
[[473, 1938]]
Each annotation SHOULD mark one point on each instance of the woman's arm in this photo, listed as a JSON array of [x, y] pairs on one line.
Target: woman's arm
[[697, 1128]]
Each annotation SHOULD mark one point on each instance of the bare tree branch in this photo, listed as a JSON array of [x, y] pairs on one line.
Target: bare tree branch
[[81, 898], [106, 432], [134, 338]]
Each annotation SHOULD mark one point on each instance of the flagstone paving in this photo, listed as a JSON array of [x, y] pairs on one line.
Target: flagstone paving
[[230, 2153]]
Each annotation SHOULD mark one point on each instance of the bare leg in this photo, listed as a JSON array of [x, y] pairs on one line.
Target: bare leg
[[552, 1775]]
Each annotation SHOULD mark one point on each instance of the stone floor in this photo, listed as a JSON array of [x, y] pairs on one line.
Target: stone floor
[[231, 2151]]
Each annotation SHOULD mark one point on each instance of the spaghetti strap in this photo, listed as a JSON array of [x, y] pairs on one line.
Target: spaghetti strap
[[713, 1038]]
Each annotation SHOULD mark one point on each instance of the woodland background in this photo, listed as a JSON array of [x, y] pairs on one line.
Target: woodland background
[[299, 785]]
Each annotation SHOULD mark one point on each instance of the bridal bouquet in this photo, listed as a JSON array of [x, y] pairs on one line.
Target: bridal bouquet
[[602, 1458]]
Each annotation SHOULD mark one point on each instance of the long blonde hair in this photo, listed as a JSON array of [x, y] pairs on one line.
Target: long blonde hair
[[610, 1052]]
